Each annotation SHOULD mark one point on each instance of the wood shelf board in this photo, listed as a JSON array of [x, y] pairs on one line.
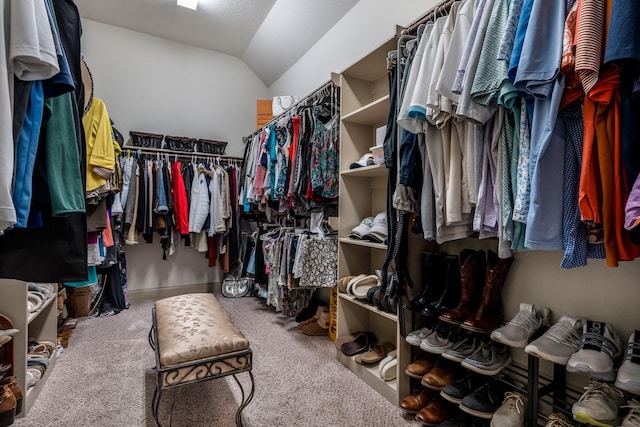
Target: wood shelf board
[[371, 114], [369, 374], [364, 243], [366, 171], [371, 308], [46, 304]]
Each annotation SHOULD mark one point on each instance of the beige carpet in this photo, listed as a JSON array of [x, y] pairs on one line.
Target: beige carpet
[[105, 378]]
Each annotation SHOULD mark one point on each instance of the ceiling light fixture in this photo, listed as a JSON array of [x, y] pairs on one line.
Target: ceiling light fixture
[[189, 4]]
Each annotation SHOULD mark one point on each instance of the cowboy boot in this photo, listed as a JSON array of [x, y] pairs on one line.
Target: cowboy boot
[[433, 279], [472, 277], [490, 312], [450, 297]]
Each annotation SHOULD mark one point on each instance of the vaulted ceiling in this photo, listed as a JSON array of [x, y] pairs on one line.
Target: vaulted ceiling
[[268, 35]]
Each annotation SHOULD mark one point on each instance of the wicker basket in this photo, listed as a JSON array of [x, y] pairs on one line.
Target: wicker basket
[[210, 146], [146, 140], [180, 143]]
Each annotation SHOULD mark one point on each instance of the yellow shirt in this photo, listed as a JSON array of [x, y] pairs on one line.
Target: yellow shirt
[[98, 133]]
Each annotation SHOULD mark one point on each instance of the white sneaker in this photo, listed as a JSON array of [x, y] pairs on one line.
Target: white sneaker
[[416, 337], [512, 411], [599, 346], [517, 331], [559, 342], [633, 417], [558, 420], [598, 405], [628, 378]]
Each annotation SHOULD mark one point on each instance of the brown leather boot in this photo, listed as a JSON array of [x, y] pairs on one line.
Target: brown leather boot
[[490, 312], [15, 389], [7, 406], [472, 275]]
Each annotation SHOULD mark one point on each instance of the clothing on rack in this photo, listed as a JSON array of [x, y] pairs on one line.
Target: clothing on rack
[[499, 156]]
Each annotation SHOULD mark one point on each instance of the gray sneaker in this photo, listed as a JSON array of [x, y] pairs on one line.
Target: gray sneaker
[[628, 378], [517, 331], [559, 342], [599, 346], [598, 405], [512, 411], [489, 360], [463, 349], [633, 417]]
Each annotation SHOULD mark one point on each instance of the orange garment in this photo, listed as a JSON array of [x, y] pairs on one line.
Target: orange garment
[[107, 233], [603, 107]]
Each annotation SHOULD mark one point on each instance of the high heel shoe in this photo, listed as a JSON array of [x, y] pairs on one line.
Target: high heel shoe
[[7, 407], [15, 389]]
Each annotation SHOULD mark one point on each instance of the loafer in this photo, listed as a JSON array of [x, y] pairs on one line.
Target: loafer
[[419, 368], [442, 374], [416, 401], [436, 412]]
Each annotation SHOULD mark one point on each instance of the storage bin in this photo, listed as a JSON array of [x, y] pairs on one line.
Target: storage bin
[[146, 140], [180, 143], [210, 146]]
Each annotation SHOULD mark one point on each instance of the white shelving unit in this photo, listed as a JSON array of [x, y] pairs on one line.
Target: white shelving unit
[[40, 325], [363, 193]]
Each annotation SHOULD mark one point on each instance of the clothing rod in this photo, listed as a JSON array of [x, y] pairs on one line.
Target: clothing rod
[[189, 154], [325, 86], [441, 9]]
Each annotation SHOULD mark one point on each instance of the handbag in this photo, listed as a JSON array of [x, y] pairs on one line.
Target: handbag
[[234, 288], [283, 103]]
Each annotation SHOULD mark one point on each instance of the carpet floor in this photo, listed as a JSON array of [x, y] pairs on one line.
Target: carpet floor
[[106, 378]]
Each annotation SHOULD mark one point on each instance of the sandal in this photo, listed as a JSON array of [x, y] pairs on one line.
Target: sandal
[[360, 343], [376, 354]]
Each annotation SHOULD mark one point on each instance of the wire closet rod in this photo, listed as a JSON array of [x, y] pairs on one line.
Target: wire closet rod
[[182, 154], [439, 10], [327, 85]]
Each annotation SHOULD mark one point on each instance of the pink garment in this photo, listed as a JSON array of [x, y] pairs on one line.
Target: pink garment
[[107, 233]]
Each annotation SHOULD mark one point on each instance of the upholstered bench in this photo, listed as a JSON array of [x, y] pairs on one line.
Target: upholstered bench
[[195, 340]]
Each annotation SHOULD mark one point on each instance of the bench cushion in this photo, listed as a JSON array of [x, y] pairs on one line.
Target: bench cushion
[[195, 327]]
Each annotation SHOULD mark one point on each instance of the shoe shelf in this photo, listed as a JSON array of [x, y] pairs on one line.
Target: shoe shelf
[[364, 243], [40, 325], [370, 114], [369, 374], [42, 309], [366, 171], [353, 300]]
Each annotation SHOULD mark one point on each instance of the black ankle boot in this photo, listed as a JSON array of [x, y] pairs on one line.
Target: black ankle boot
[[450, 296], [433, 279]]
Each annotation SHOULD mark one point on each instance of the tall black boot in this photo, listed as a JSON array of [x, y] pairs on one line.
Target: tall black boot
[[450, 296], [433, 279]]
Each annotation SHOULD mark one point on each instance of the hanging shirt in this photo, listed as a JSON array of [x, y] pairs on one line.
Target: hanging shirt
[[589, 41], [98, 134]]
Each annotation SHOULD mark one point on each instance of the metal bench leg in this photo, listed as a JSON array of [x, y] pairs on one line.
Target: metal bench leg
[[155, 404], [246, 401]]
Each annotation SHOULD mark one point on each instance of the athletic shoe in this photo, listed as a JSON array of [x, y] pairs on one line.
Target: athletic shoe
[[559, 420], [457, 390], [490, 360], [599, 346], [559, 342], [512, 411], [485, 401], [463, 349], [442, 339], [628, 378], [416, 337], [598, 405], [633, 417], [517, 331]]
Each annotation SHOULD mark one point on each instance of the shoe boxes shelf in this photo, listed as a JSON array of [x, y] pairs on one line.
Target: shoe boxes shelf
[[40, 325], [363, 193]]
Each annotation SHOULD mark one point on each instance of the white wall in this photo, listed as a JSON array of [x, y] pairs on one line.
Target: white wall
[[364, 28], [155, 85]]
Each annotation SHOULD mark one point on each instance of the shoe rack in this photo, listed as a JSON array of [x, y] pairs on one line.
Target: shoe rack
[[40, 325], [363, 193]]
